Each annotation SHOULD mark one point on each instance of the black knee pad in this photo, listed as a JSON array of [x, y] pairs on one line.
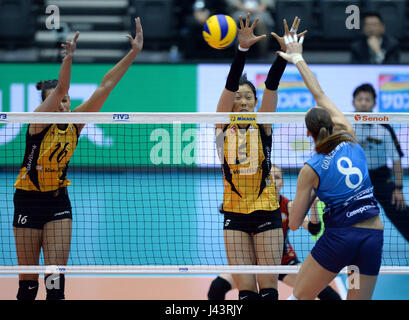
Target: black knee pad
[[329, 294], [281, 276], [218, 289], [268, 294], [27, 290], [55, 285], [248, 295]]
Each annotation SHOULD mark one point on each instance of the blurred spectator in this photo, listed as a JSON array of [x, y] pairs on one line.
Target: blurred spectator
[[261, 9], [375, 46], [195, 14]]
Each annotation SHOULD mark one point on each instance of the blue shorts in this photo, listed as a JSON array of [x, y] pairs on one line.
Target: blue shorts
[[341, 247]]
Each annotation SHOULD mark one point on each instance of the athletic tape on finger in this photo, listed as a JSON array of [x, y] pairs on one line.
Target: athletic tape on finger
[[301, 39], [286, 40]]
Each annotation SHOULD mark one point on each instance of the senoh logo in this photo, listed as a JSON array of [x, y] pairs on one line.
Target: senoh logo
[[121, 117], [3, 117], [368, 118]]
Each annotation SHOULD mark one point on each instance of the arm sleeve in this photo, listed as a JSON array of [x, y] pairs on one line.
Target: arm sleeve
[[275, 73], [236, 70]]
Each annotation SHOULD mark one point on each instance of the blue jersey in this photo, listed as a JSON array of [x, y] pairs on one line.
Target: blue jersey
[[344, 185]]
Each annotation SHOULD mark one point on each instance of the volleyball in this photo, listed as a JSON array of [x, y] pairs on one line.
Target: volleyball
[[220, 31]]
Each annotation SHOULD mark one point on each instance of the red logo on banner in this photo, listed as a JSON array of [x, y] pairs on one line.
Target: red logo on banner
[[367, 118]]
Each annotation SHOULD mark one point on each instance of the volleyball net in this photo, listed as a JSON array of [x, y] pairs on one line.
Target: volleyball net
[[146, 188]]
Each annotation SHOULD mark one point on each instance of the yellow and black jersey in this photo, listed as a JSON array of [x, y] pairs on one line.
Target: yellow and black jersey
[[245, 154], [46, 159]]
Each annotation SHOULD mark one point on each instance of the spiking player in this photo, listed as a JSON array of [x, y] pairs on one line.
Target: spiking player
[[338, 175]]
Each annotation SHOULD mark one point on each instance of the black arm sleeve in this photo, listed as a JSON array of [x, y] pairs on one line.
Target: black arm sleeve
[[275, 73], [236, 69]]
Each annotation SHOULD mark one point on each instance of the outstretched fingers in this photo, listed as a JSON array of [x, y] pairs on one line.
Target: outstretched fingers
[[241, 23], [275, 35], [248, 20], [302, 34], [298, 24], [138, 27], [257, 39], [77, 34], [254, 24], [294, 26], [69, 46], [286, 31], [137, 41]]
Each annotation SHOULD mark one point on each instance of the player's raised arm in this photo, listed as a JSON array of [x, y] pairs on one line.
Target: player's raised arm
[[269, 101], [246, 39], [53, 100], [112, 77], [294, 55]]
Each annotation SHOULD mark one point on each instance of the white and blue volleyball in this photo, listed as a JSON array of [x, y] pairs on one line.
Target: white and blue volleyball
[[220, 31]]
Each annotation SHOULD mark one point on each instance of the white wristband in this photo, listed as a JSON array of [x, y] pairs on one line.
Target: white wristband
[[297, 58], [243, 49]]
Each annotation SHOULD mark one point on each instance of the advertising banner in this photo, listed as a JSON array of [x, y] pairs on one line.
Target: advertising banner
[[144, 88], [291, 146]]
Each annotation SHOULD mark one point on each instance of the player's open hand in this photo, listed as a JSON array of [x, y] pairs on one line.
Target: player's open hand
[[246, 33], [137, 42], [292, 32], [294, 48], [70, 46]]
